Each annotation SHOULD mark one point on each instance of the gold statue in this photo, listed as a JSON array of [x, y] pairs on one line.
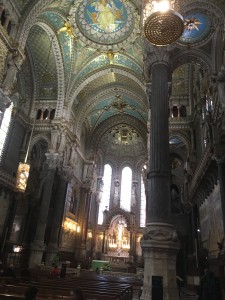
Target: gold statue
[[67, 28]]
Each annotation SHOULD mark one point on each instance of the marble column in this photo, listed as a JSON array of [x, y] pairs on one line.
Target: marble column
[[87, 193], [60, 196], [38, 247], [160, 243]]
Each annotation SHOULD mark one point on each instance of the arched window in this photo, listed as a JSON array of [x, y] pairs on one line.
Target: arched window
[[5, 128], [107, 179], [143, 205], [126, 184]]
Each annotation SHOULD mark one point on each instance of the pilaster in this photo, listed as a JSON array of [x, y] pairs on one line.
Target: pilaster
[[47, 179], [52, 247]]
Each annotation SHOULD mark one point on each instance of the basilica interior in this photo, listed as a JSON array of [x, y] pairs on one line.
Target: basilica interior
[[112, 147]]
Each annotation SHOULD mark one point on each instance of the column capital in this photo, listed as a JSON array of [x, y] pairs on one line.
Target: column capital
[[157, 55]]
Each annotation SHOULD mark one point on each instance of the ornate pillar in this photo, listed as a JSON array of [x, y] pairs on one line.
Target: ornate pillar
[[84, 219], [45, 192], [159, 243], [220, 159], [59, 201]]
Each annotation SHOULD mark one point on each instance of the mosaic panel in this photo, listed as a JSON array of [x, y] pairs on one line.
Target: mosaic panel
[[66, 42], [104, 22], [103, 60], [197, 27]]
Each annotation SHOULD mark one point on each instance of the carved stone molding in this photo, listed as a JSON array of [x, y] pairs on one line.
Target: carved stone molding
[[160, 232], [158, 173]]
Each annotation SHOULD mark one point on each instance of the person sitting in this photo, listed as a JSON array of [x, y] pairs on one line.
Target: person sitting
[[77, 294], [55, 272]]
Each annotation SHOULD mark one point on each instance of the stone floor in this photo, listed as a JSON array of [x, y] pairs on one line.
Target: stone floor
[[185, 294]]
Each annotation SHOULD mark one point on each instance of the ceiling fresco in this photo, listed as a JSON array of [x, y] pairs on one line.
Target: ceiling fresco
[[197, 28], [117, 104], [123, 141], [100, 45], [44, 63], [104, 23]]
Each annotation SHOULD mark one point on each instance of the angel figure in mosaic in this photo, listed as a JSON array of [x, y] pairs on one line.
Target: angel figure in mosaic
[[67, 28]]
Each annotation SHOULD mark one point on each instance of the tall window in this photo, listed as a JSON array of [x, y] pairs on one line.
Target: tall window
[[143, 205], [107, 179], [125, 196], [5, 127]]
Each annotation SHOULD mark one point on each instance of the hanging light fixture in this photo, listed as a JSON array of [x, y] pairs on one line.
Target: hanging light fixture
[[24, 168], [162, 22]]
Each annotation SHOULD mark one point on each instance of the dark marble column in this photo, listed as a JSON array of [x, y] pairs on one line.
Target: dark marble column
[[59, 202], [159, 174], [45, 193], [87, 193], [160, 243]]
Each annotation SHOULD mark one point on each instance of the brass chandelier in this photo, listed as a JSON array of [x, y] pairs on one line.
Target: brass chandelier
[[162, 22]]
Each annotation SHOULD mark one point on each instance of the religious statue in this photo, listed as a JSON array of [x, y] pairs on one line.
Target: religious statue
[[116, 192], [134, 194], [11, 68], [73, 154]]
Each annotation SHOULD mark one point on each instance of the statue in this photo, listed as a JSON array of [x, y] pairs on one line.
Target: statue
[[73, 154], [134, 194], [11, 68], [116, 192]]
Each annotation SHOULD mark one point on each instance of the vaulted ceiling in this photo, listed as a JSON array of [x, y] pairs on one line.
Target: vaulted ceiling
[[96, 65]]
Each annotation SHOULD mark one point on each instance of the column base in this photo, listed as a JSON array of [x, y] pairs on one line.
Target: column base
[[51, 252], [36, 252], [160, 246]]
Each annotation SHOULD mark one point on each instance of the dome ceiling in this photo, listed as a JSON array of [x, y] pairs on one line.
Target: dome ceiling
[[198, 27]]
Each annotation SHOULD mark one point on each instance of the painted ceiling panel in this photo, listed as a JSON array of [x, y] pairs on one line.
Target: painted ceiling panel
[[43, 61], [107, 81], [65, 41], [103, 60]]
